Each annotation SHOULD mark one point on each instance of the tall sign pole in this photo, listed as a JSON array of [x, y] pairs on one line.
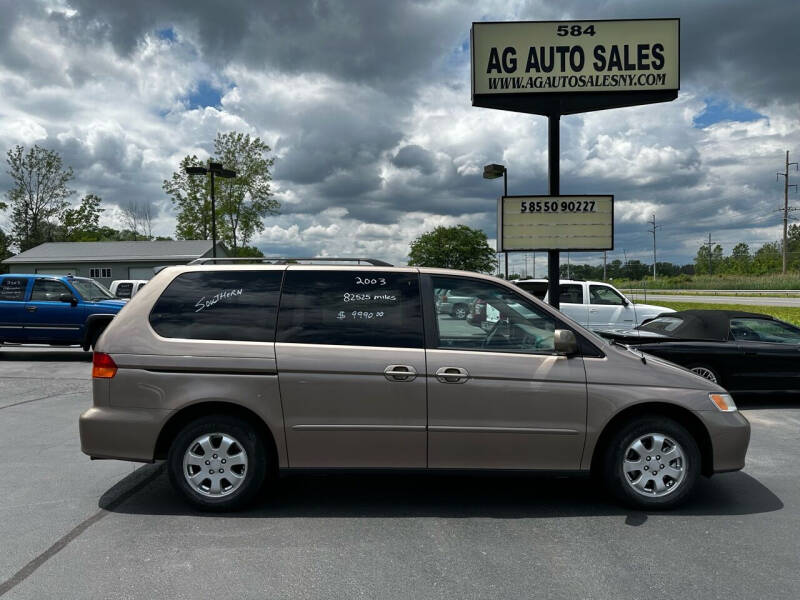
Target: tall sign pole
[[553, 176], [556, 68]]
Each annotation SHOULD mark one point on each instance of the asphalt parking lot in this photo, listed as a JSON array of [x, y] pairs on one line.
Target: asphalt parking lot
[[75, 528]]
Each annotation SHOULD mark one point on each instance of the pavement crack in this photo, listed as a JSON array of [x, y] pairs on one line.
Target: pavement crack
[[62, 542], [31, 400]]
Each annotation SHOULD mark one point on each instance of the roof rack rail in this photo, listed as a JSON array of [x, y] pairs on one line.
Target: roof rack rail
[[281, 260]]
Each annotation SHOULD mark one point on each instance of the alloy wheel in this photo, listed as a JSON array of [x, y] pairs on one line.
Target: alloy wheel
[[654, 465], [705, 373], [215, 464]]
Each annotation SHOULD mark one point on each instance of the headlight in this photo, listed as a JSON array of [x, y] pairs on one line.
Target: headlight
[[723, 402]]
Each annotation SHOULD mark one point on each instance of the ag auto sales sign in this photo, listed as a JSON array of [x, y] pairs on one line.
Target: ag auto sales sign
[[575, 57]]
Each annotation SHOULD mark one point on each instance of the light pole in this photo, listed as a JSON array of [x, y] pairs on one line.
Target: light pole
[[214, 168], [494, 171]]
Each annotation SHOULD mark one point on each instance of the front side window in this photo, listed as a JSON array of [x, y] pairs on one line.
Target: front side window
[[351, 308], [13, 288], [498, 320], [764, 330], [219, 305], [601, 294], [48, 290]]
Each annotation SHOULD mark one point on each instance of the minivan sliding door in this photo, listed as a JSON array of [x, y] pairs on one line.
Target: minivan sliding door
[[351, 364]]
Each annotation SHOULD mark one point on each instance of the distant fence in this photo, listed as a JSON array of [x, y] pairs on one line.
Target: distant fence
[[643, 291]]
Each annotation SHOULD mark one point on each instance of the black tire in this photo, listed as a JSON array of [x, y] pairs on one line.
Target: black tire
[[251, 443], [460, 309], [617, 482], [712, 372]]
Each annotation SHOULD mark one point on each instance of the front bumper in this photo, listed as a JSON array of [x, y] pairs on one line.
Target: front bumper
[[730, 436], [121, 433]]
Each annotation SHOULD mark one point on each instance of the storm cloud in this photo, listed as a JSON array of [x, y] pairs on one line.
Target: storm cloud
[[366, 106]]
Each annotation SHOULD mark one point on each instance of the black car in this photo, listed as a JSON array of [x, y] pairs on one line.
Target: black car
[[747, 353]]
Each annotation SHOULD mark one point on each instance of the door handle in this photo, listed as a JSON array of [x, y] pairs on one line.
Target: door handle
[[30, 308], [400, 373], [452, 375]]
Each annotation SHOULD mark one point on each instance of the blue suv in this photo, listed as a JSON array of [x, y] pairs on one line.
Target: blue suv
[[48, 309]]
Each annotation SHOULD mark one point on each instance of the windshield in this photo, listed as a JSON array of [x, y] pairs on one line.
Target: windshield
[[91, 290]]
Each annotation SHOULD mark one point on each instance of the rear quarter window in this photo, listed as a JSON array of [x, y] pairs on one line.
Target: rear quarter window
[[351, 308], [13, 288], [219, 305], [124, 290]]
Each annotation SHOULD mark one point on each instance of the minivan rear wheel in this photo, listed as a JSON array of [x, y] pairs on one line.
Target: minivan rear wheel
[[218, 462], [651, 463]]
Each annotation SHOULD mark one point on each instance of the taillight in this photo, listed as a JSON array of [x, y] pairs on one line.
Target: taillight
[[444, 298], [103, 366]]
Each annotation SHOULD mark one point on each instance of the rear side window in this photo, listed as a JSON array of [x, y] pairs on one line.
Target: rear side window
[[219, 305], [351, 308], [13, 288], [570, 293]]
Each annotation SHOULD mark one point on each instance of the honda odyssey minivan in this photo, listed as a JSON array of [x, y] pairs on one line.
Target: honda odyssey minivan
[[235, 372]]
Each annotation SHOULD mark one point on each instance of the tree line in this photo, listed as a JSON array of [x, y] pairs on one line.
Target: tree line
[[39, 209]]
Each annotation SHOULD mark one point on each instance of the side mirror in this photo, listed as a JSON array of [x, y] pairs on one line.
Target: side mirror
[[68, 298], [564, 342]]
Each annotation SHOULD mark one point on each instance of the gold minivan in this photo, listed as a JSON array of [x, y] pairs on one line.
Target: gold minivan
[[233, 372]]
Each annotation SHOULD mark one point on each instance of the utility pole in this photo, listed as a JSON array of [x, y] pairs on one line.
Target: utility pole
[[625, 264], [653, 231], [786, 209], [708, 243], [604, 265]]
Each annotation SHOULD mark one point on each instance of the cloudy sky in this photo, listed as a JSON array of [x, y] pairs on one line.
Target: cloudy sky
[[366, 105]]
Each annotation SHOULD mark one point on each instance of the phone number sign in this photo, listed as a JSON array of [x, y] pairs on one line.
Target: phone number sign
[[555, 223]]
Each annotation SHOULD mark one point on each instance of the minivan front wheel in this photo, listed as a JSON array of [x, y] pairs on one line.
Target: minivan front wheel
[[652, 463], [218, 462]]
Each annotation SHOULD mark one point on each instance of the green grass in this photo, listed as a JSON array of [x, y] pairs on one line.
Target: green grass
[[790, 281], [789, 314]]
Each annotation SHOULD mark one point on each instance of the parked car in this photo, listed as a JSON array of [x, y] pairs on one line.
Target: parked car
[[746, 353], [126, 288], [596, 305], [232, 373], [453, 305], [57, 310]]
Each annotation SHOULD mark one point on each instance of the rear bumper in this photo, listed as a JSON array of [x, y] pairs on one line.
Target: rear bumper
[[121, 433], [730, 436]]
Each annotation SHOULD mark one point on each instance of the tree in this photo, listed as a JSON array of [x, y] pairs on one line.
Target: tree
[[191, 195], [5, 251], [740, 260], [767, 259], [248, 252], [39, 193], [82, 223], [245, 199], [458, 247], [137, 218], [704, 265], [242, 202]]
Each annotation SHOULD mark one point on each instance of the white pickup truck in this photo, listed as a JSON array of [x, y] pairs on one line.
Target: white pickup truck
[[594, 304]]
